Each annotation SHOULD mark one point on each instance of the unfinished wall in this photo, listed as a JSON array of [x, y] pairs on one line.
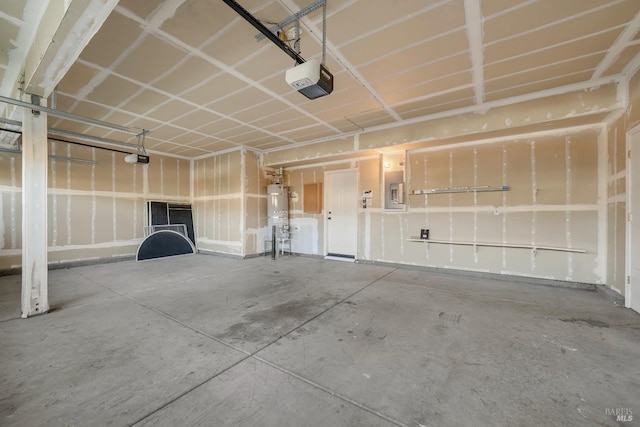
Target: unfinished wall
[[218, 203], [95, 209], [308, 229], [616, 187], [256, 205], [552, 201], [616, 205], [558, 111], [551, 152], [10, 210]]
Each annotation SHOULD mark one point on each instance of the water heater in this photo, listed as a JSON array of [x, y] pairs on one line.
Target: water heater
[[278, 210]]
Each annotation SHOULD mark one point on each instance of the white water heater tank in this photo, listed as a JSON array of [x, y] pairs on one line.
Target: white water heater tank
[[278, 210]]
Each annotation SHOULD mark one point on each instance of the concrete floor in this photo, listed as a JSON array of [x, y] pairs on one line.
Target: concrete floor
[[211, 341]]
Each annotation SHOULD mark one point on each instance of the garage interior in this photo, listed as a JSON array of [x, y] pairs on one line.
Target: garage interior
[[459, 240]]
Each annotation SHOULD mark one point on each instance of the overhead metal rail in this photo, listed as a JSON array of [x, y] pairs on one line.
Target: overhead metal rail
[[52, 156], [265, 31], [75, 135], [67, 141], [71, 116], [293, 18]]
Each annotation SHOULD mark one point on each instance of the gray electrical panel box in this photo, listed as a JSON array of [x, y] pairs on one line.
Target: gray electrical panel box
[[394, 190]]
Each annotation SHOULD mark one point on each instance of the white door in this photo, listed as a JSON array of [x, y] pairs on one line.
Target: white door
[[632, 291], [341, 207]]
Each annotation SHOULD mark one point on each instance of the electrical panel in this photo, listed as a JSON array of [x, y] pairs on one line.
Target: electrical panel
[[394, 195]]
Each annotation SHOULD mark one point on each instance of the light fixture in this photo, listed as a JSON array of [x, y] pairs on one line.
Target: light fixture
[[387, 164]]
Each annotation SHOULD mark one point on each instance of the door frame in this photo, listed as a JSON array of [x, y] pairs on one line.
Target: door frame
[[325, 191], [628, 244]]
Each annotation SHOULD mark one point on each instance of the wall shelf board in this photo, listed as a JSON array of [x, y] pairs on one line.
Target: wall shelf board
[[460, 190], [500, 245]]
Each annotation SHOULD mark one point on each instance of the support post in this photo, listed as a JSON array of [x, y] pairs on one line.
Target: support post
[[35, 298]]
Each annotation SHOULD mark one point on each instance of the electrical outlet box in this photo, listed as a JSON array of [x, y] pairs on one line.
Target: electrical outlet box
[[293, 33]]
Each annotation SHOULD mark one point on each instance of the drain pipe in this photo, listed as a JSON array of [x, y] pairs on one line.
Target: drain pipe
[[273, 242]]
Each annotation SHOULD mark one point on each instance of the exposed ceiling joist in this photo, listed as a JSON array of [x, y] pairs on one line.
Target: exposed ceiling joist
[[473, 17], [63, 33], [618, 47]]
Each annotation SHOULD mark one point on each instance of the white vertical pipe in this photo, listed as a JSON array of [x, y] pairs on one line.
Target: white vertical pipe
[[35, 298]]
